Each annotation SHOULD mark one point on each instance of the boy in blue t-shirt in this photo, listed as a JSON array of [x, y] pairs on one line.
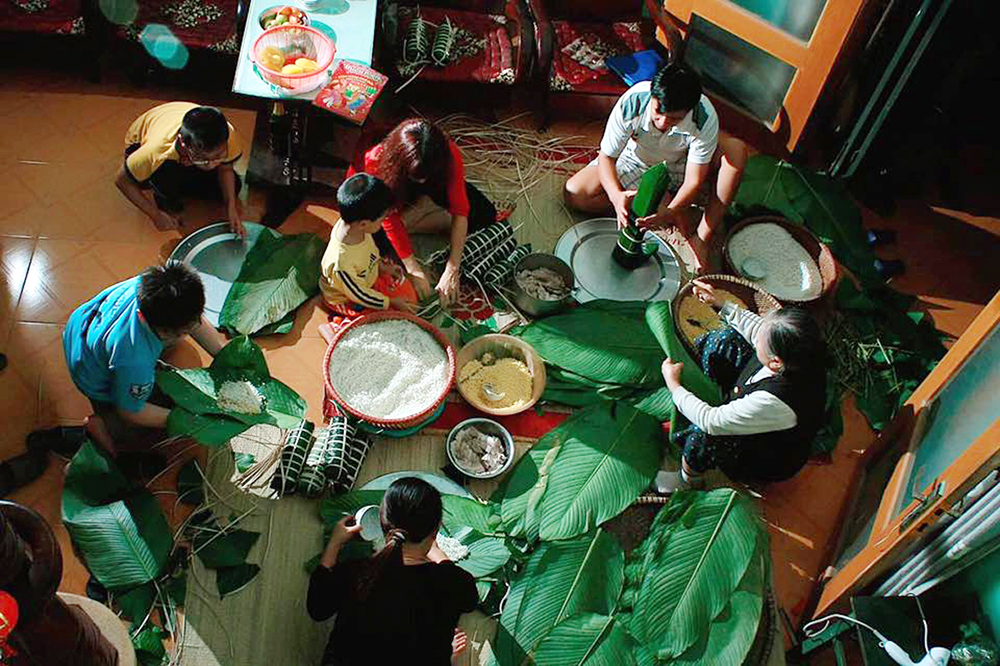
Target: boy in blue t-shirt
[[113, 341]]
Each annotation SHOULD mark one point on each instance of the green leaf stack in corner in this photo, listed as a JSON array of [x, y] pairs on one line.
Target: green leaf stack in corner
[[692, 592], [118, 529], [195, 392], [582, 473], [279, 274]]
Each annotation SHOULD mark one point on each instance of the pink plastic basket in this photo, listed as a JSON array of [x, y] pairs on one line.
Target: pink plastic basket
[[303, 42]]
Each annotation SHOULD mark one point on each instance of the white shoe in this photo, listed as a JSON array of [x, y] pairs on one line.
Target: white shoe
[[669, 482]]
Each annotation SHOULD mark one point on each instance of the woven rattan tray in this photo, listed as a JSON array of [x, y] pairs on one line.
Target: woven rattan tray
[[819, 252], [754, 298]]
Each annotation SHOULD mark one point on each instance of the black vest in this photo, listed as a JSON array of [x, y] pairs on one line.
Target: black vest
[[778, 455]]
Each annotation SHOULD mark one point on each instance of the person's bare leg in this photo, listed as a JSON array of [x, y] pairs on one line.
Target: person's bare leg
[[584, 192], [97, 429], [732, 162]]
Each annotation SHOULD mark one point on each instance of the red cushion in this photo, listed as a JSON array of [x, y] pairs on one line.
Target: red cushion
[[61, 16], [209, 24], [483, 42], [604, 39]]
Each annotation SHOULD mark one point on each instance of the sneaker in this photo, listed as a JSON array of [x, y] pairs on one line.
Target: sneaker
[[889, 268], [64, 441], [21, 470], [881, 237]]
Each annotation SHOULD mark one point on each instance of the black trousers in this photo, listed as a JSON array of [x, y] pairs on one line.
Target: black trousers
[[482, 213], [174, 182]]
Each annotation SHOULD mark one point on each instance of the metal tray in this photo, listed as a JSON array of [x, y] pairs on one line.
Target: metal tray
[[443, 484], [587, 248], [217, 255]]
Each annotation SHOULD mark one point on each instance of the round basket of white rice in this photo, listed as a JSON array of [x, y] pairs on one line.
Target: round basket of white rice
[[390, 369], [782, 258]]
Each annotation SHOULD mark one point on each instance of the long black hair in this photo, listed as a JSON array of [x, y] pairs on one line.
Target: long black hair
[[793, 335], [410, 512]]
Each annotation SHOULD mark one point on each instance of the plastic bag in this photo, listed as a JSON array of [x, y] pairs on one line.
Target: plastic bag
[[975, 648]]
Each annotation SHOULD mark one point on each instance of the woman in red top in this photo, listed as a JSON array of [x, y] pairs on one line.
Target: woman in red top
[[424, 171]]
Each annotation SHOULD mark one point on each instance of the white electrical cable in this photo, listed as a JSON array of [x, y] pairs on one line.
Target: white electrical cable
[[826, 623], [923, 619]]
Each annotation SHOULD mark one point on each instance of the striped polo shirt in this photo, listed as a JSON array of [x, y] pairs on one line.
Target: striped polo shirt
[[631, 138]]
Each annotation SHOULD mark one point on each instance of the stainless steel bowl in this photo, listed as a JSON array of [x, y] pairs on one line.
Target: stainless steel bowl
[[489, 427], [535, 306]]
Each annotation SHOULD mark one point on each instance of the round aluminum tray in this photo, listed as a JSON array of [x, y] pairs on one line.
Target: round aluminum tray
[[217, 254], [587, 248]]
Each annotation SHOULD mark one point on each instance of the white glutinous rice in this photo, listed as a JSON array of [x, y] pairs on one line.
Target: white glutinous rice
[[389, 369], [789, 272], [453, 548], [240, 397]]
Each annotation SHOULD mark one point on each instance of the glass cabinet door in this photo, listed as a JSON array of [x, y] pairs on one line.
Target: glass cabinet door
[[768, 58]]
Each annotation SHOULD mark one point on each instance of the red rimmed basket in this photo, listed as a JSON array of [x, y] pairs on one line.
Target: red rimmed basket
[[299, 40], [385, 315], [817, 250]]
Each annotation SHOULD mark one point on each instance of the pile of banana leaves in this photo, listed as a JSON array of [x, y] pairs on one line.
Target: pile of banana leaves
[[692, 592]]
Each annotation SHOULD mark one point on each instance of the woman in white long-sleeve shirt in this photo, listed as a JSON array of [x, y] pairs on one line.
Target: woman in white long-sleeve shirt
[[772, 371]]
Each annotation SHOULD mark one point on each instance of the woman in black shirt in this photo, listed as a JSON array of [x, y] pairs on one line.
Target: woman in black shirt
[[407, 597]]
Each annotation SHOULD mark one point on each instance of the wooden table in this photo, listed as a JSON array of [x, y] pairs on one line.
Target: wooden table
[[283, 153]]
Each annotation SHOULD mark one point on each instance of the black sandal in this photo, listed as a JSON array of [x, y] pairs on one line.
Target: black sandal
[[21, 470]]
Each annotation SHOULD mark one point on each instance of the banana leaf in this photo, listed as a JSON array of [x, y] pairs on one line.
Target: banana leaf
[[231, 579], [660, 320], [195, 393], [587, 639], [560, 579], [599, 343], [120, 532], [688, 568], [472, 523], [136, 603], [580, 474], [149, 648], [278, 275], [732, 633]]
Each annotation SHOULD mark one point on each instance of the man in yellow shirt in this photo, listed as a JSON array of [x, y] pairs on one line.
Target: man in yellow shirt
[[179, 150], [352, 275]]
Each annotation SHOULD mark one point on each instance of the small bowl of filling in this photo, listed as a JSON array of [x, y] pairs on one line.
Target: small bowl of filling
[[371, 524], [480, 448], [500, 374]]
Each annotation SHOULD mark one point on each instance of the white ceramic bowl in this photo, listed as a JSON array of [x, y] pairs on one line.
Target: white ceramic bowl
[[371, 524]]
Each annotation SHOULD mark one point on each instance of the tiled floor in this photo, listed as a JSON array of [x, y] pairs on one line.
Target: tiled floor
[[66, 233]]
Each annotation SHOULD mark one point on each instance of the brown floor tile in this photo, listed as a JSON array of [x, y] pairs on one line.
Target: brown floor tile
[[66, 273], [15, 259], [14, 195]]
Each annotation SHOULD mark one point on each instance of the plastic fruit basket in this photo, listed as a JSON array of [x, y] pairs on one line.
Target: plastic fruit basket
[[391, 424], [297, 41]]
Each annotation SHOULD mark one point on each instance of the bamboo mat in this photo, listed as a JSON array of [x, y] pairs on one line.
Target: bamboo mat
[[266, 623]]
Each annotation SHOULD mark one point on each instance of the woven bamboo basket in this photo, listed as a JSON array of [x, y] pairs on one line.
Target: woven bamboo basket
[[817, 250], [754, 298], [391, 424]]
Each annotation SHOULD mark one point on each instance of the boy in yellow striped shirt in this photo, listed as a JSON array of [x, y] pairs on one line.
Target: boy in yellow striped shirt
[[353, 276]]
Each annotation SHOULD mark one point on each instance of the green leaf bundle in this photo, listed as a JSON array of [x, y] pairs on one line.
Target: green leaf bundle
[[197, 413]]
